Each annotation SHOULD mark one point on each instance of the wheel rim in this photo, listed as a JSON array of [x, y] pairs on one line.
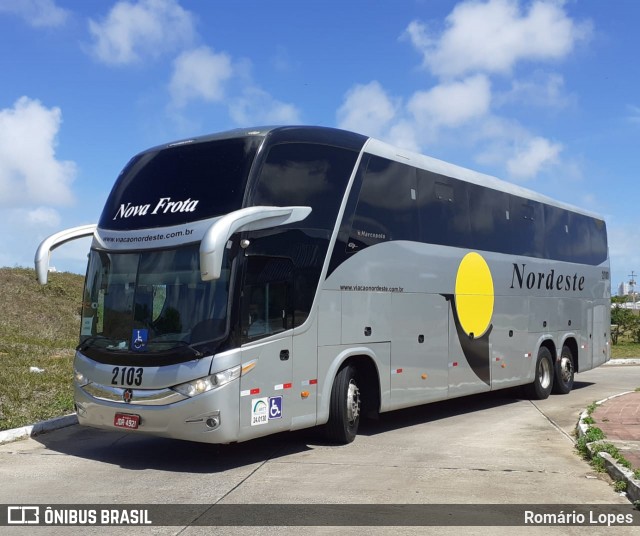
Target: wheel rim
[[544, 373], [353, 402], [566, 370]]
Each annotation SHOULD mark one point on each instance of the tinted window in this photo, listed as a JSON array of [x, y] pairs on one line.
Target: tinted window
[[579, 244], [266, 303], [527, 227], [305, 174], [574, 237], [386, 208], [180, 184], [556, 222], [489, 219], [455, 213], [444, 210], [304, 252], [599, 248]]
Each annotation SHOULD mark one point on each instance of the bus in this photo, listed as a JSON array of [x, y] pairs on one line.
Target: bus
[[272, 279]]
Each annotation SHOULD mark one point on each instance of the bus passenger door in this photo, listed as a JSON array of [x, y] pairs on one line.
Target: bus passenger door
[[266, 324]]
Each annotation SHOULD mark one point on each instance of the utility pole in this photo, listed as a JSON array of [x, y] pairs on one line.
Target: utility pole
[[632, 285]]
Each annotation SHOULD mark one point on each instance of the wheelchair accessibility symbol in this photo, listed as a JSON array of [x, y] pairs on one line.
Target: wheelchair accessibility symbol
[[139, 340], [275, 407]]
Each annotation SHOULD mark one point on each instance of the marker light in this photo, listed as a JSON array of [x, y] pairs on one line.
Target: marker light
[[202, 385]]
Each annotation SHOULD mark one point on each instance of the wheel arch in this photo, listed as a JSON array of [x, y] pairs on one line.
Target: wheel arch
[[550, 345], [365, 361], [571, 343]]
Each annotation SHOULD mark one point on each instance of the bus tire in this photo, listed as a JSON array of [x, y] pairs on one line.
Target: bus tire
[[564, 372], [542, 383], [344, 406]]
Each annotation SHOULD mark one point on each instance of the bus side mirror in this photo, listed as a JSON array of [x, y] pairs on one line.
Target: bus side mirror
[[246, 219], [43, 253]]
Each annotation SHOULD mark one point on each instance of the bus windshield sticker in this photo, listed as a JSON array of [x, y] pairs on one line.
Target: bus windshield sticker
[[87, 325], [139, 340]]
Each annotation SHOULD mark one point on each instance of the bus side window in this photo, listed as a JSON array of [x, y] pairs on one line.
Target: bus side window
[[387, 205], [490, 219], [527, 219], [444, 210], [267, 297]]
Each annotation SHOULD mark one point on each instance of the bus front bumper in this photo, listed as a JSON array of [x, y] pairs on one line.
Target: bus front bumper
[[211, 417]]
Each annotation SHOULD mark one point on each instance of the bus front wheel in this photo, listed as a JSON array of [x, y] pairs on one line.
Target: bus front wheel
[[542, 383], [344, 406], [564, 373]]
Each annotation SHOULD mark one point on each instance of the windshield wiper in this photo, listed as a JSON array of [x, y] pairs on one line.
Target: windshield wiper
[[184, 344], [118, 344]]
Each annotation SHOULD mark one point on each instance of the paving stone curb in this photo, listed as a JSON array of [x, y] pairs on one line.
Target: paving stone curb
[[615, 470], [7, 436], [623, 361]]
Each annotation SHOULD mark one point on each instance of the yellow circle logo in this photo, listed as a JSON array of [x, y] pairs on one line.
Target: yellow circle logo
[[474, 295]]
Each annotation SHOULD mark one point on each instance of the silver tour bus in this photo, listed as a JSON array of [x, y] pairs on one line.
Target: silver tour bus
[[272, 279]]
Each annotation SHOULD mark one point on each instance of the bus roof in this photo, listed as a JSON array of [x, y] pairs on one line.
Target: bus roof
[[352, 140]]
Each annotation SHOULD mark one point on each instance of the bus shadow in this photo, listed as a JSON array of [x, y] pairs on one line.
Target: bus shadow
[[138, 452], [438, 411], [581, 385]]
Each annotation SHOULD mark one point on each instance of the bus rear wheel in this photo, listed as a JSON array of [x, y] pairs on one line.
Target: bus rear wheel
[[344, 406], [564, 373], [542, 383]]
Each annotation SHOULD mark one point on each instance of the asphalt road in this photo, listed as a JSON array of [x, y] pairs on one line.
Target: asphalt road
[[493, 448]]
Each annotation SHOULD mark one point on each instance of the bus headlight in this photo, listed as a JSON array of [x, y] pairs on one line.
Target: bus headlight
[[80, 379], [202, 385]]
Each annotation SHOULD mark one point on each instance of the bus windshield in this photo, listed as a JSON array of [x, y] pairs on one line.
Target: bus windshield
[[150, 302]]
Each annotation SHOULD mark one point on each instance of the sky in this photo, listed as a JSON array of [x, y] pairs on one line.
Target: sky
[[541, 93]]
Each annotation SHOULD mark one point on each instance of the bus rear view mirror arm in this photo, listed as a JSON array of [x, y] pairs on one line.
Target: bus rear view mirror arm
[[246, 219], [43, 254]]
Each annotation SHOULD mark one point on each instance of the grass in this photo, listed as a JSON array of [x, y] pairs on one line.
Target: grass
[[625, 349], [594, 433], [39, 328]]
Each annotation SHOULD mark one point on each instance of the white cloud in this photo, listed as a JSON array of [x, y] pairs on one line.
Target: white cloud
[[36, 13], [493, 36], [480, 40], [458, 110], [203, 75], [22, 230], [367, 109], [531, 157], [199, 74], [404, 134], [29, 170], [542, 90], [370, 110], [452, 104], [148, 28], [500, 142], [258, 107], [43, 217]]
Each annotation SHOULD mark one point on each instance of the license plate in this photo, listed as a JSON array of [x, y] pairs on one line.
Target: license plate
[[122, 420]]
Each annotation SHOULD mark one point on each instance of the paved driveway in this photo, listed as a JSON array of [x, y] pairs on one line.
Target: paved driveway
[[493, 448]]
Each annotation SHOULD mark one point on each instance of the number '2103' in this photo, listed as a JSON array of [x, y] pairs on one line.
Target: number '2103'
[[126, 376]]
